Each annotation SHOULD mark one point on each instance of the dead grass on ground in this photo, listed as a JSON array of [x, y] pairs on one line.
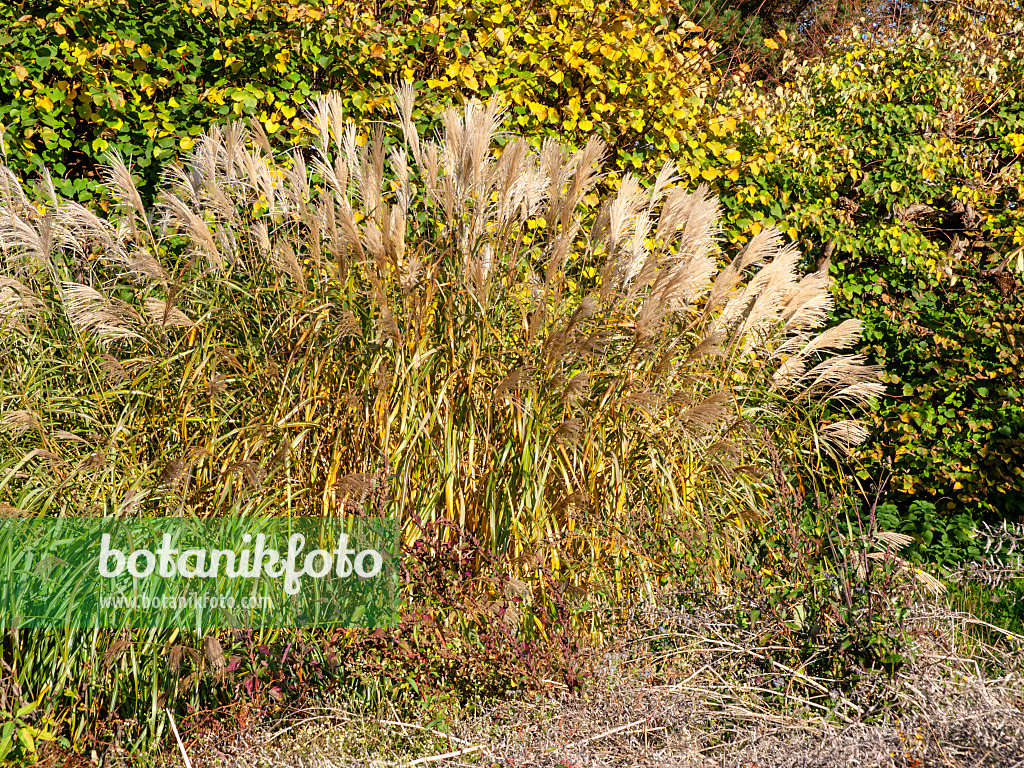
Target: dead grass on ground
[[684, 695]]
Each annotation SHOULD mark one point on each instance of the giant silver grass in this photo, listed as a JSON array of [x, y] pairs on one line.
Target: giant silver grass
[[18, 304], [447, 311], [90, 311], [437, 329]]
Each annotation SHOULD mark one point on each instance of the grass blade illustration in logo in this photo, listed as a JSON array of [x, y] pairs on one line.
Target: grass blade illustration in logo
[[198, 574]]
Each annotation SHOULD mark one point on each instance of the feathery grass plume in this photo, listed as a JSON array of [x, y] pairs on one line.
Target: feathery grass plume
[[404, 102], [18, 304], [108, 319], [17, 423], [178, 214], [93, 234], [13, 193], [326, 118], [623, 210], [709, 413], [842, 377], [30, 238], [118, 177], [845, 435], [112, 367], [756, 250], [173, 471], [165, 314], [808, 304]]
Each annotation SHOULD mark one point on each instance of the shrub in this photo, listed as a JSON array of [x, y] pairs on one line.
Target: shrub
[[900, 156], [147, 79]]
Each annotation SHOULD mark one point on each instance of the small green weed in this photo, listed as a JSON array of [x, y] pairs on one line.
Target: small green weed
[[20, 733]]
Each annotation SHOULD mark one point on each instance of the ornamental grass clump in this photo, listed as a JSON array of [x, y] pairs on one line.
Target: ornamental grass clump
[[438, 324], [443, 330]]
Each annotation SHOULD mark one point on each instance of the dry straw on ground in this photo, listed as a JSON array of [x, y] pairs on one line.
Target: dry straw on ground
[[958, 703]]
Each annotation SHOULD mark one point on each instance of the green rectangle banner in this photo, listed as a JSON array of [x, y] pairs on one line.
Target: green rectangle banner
[[198, 573]]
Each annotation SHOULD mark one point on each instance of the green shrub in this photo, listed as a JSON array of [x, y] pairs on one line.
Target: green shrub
[[828, 588], [942, 540], [145, 79], [901, 158]]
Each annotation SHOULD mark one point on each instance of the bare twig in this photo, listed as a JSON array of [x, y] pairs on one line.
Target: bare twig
[[445, 756], [177, 738]]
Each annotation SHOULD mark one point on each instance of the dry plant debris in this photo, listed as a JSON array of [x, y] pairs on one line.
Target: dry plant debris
[[958, 702]]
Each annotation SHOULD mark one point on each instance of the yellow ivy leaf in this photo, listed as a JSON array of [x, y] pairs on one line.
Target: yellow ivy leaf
[[557, 77], [43, 102], [732, 156], [709, 174], [769, 43], [20, 72], [895, 186]]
